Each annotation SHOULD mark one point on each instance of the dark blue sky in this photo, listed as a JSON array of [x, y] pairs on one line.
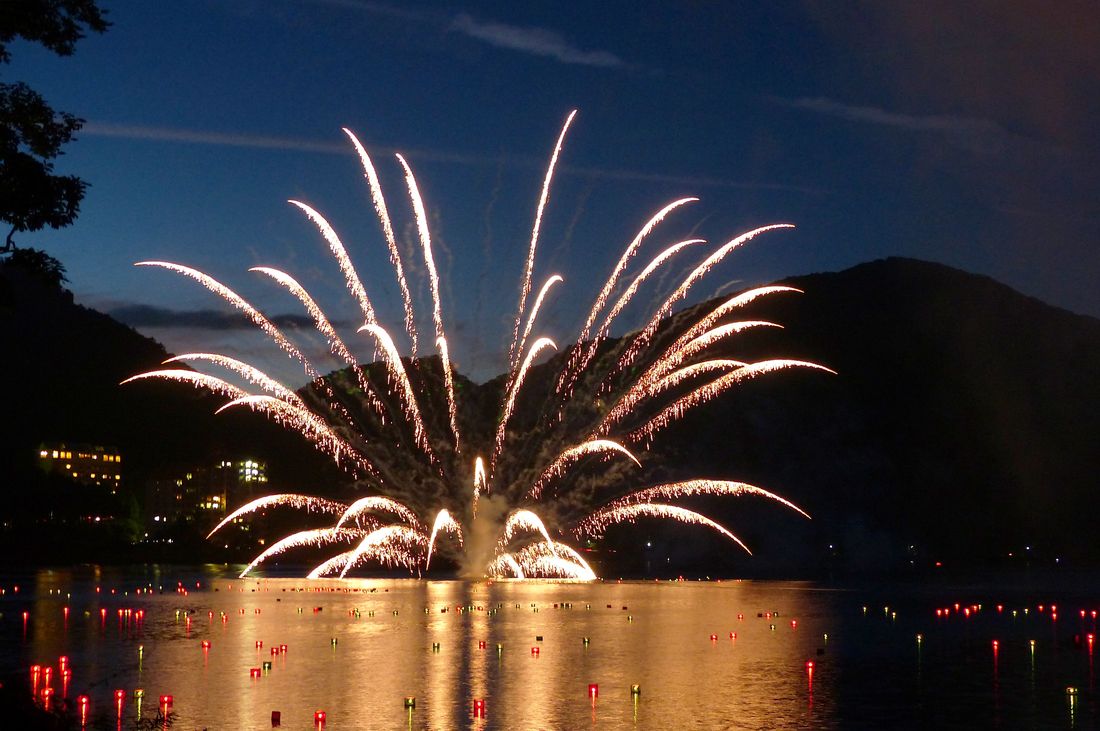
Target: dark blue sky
[[964, 133]]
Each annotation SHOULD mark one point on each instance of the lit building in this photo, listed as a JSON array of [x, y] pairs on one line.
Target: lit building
[[204, 493], [83, 463]]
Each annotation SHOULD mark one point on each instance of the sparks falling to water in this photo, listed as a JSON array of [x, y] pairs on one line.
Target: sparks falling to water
[[496, 502]]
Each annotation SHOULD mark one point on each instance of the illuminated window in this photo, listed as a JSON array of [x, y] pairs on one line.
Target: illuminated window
[[55, 454], [93, 475], [94, 456], [118, 477], [43, 453]]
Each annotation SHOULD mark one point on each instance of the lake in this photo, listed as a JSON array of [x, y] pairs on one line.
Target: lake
[[523, 655]]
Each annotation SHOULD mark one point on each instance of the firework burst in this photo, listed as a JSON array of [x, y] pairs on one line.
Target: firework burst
[[497, 500]]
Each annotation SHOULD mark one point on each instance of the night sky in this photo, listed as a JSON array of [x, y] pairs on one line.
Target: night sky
[[964, 133]]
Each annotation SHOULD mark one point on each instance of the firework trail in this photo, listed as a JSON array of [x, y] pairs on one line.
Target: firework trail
[[199, 380], [237, 301], [387, 231], [522, 521], [514, 350], [555, 560], [619, 407], [679, 353], [510, 403], [309, 425], [317, 537], [558, 467], [644, 336], [392, 545], [599, 521], [445, 523], [249, 373], [480, 484], [626, 296], [704, 393], [695, 340], [397, 372], [341, 254], [715, 315], [449, 383], [308, 503], [380, 504], [433, 279], [687, 488], [555, 279], [572, 370], [503, 566], [336, 345]]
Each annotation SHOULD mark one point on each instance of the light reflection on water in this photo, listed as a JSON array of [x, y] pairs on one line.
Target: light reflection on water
[[655, 635]]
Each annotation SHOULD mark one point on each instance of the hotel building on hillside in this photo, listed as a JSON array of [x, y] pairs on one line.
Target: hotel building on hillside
[[83, 463], [204, 493]]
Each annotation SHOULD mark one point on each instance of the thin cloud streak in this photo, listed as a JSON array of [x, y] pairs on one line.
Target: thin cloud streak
[[877, 115], [977, 135], [139, 316], [296, 144], [533, 41], [530, 40], [389, 11]]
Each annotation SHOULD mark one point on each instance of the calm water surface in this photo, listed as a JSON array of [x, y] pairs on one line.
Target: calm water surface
[[869, 670]]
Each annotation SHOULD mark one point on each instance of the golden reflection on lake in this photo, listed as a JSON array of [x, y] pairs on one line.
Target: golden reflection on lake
[[447, 644]]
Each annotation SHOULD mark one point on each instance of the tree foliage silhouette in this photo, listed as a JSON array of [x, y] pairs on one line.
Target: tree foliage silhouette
[[32, 133]]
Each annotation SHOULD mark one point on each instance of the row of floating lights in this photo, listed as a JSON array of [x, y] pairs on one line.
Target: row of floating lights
[[47, 692], [972, 610], [479, 705]]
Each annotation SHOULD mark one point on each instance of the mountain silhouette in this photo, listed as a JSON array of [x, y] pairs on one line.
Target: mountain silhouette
[[960, 427]]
